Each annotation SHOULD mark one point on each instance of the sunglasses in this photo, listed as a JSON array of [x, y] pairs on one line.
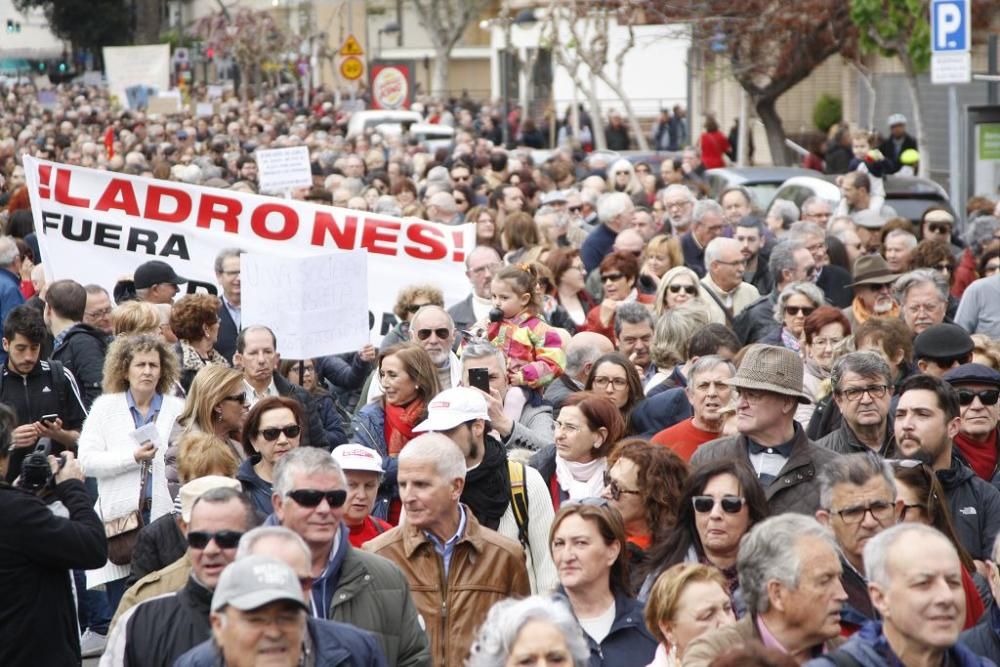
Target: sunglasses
[[616, 490], [939, 229], [574, 209], [611, 277], [237, 398], [272, 434], [312, 497], [730, 504], [442, 333], [944, 267], [987, 396], [224, 539], [799, 310], [677, 289]]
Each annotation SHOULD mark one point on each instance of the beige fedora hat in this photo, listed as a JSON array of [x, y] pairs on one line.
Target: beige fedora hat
[[771, 368]]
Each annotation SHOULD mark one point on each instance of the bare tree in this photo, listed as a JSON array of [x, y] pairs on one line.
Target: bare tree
[[771, 45], [250, 38], [445, 21], [578, 31]]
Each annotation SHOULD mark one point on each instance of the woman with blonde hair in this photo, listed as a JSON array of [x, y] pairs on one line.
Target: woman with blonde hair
[[662, 254], [135, 318], [216, 404], [622, 178], [138, 374], [687, 600], [678, 286]]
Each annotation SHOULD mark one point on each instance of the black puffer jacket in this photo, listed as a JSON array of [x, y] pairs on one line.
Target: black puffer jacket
[[162, 629], [82, 351], [975, 508]]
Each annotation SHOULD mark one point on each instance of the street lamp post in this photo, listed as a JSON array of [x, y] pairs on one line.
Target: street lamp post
[[390, 28]]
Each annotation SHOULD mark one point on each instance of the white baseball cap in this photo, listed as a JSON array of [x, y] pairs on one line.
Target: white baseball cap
[[357, 457], [453, 407], [897, 119], [191, 491]]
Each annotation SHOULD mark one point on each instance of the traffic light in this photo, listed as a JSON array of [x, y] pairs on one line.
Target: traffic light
[[63, 67], [42, 66]]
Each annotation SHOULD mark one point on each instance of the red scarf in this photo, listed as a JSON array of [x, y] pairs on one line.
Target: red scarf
[[399, 423], [981, 457]]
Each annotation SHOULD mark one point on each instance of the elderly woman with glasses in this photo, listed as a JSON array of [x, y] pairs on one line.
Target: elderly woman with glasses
[[924, 501], [273, 428], [824, 337], [619, 272], [644, 482], [795, 303], [130, 468], [937, 256], [588, 546], [722, 501]]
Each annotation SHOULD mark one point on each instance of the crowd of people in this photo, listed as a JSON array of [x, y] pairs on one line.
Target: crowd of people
[[663, 428]]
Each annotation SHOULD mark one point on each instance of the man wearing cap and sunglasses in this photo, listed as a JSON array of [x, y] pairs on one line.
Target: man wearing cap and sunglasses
[[161, 629], [349, 585], [978, 388], [157, 282], [506, 496], [769, 386]]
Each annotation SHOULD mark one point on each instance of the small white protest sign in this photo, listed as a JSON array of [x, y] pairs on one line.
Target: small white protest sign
[[316, 305], [281, 169]]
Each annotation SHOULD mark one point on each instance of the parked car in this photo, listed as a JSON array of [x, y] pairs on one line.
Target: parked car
[[432, 136], [909, 196], [369, 119], [762, 182]]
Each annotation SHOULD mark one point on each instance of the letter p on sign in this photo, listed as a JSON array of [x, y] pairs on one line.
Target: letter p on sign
[[950, 26]]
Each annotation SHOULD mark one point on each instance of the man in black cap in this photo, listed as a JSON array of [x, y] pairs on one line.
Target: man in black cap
[[156, 282], [978, 388], [942, 347], [872, 290]]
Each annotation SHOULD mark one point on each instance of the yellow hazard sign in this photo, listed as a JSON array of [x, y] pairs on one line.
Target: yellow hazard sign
[[351, 47], [352, 68]]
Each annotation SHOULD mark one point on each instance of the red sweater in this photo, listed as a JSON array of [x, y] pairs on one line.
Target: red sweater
[[684, 438], [368, 529]]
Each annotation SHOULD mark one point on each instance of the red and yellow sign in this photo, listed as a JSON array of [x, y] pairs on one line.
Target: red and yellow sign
[[352, 68]]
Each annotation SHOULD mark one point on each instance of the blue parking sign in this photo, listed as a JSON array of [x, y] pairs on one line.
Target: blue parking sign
[[950, 26]]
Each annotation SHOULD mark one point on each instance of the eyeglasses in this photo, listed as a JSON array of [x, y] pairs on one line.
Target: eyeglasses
[[730, 504], [855, 393], [224, 539], [616, 490], [624, 172], [805, 311], [312, 497], [574, 209], [944, 267], [738, 262], [987, 396], [879, 509], [611, 277], [236, 398], [928, 308], [95, 314], [602, 382], [939, 229], [751, 395], [272, 434], [677, 289], [442, 333], [948, 362]]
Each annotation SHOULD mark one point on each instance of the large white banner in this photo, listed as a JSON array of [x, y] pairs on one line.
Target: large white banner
[[98, 226], [137, 66]]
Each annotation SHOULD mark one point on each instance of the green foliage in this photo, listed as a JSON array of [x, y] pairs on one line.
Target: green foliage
[[895, 28], [88, 24], [829, 111]]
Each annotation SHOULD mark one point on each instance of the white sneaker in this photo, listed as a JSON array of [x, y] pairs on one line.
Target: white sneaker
[[92, 644]]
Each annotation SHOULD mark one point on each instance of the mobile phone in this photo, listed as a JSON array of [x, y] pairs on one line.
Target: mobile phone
[[480, 379], [49, 419]]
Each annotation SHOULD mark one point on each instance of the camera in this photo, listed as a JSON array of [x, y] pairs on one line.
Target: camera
[[36, 473]]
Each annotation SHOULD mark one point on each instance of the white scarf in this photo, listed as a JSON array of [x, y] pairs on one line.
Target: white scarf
[[581, 480]]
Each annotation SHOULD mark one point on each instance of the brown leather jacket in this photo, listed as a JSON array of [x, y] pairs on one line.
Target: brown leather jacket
[[485, 568]]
